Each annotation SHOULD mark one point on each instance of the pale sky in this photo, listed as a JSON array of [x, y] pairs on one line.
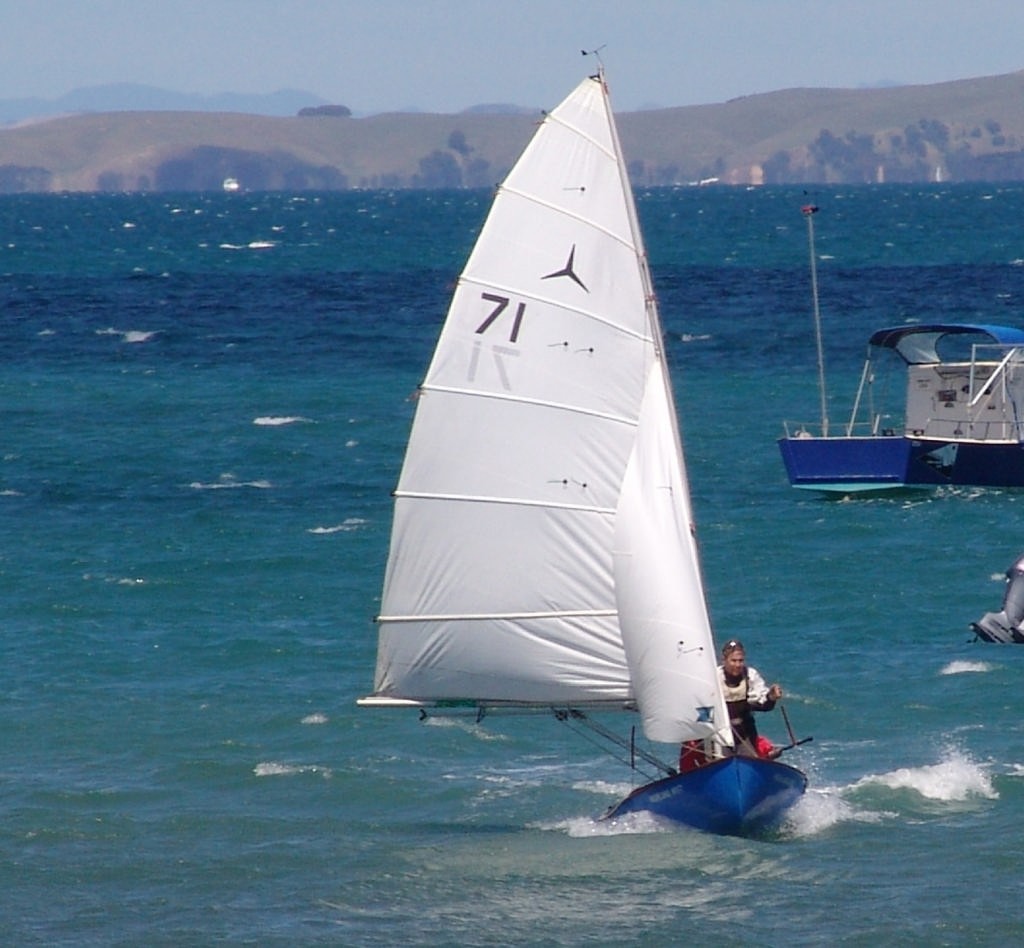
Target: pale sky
[[446, 55]]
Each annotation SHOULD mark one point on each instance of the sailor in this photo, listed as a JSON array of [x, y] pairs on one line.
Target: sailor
[[746, 692]]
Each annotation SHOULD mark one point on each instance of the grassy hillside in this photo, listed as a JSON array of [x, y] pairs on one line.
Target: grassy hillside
[[966, 130]]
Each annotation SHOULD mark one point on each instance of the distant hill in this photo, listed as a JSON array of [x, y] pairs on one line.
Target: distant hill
[[133, 97], [966, 130]]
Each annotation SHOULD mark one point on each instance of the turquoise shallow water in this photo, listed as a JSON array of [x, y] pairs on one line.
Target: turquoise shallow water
[[206, 400]]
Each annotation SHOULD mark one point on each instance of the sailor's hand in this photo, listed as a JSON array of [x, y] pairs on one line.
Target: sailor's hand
[[774, 693]]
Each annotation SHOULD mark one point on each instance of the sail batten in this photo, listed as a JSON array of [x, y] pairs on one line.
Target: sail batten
[[605, 319], [578, 217], [513, 501], [580, 409]]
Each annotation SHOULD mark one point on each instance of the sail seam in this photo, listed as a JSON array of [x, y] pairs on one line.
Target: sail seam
[[514, 501]]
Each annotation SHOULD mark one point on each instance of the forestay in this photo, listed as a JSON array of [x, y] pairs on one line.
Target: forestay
[[545, 440]]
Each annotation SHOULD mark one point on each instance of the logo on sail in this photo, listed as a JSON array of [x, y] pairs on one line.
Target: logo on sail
[[568, 271]]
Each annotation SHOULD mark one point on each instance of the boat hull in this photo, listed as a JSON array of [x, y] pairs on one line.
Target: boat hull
[[735, 796], [849, 465]]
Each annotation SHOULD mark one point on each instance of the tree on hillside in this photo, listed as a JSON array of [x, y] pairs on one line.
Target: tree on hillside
[[439, 169]]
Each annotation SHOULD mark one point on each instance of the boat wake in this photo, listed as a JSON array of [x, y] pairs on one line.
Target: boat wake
[[631, 824], [953, 784]]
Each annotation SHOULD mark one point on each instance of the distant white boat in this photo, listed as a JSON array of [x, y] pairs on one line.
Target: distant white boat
[[231, 184]]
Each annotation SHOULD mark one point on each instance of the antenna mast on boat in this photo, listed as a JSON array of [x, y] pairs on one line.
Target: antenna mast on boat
[[809, 210]]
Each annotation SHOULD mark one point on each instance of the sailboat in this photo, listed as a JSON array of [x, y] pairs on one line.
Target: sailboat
[[543, 551]]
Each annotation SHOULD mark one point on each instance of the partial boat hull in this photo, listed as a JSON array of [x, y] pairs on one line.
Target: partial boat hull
[[1006, 625], [848, 465], [735, 796], [961, 423]]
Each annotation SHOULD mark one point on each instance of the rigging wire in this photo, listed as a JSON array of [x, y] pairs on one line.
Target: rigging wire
[[569, 716]]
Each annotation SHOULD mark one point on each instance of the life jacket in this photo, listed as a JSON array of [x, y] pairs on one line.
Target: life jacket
[[741, 718], [736, 701]]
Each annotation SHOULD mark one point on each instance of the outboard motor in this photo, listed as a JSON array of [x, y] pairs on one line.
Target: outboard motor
[[1005, 626]]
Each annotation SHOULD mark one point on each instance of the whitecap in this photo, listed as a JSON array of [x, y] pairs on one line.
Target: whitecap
[[315, 718], [955, 778], [127, 335], [136, 335], [228, 482], [272, 421], [274, 769], [960, 667], [352, 523]]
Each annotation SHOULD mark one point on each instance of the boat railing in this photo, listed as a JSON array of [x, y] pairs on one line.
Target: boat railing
[[984, 384], [858, 429], [946, 429], [865, 428]]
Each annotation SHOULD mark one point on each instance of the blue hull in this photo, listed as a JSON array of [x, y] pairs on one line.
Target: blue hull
[[735, 796], [886, 462]]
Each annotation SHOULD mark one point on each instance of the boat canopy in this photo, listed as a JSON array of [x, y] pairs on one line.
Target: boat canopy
[[919, 344]]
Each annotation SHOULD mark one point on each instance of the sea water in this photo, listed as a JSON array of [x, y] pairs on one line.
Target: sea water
[[205, 401]]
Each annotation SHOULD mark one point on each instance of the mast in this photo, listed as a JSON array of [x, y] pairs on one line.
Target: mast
[[809, 210], [663, 612]]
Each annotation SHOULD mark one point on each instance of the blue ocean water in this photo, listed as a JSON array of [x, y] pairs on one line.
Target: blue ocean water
[[205, 403]]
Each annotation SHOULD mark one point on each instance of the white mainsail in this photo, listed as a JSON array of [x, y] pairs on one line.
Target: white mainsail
[[542, 550]]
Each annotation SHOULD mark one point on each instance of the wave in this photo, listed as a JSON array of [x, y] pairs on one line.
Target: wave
[[962, 667], [133, 336], [631, 824], [274, 769], [955, 779], [272, 421], [252, 245], [352, 523], [228, 482]]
